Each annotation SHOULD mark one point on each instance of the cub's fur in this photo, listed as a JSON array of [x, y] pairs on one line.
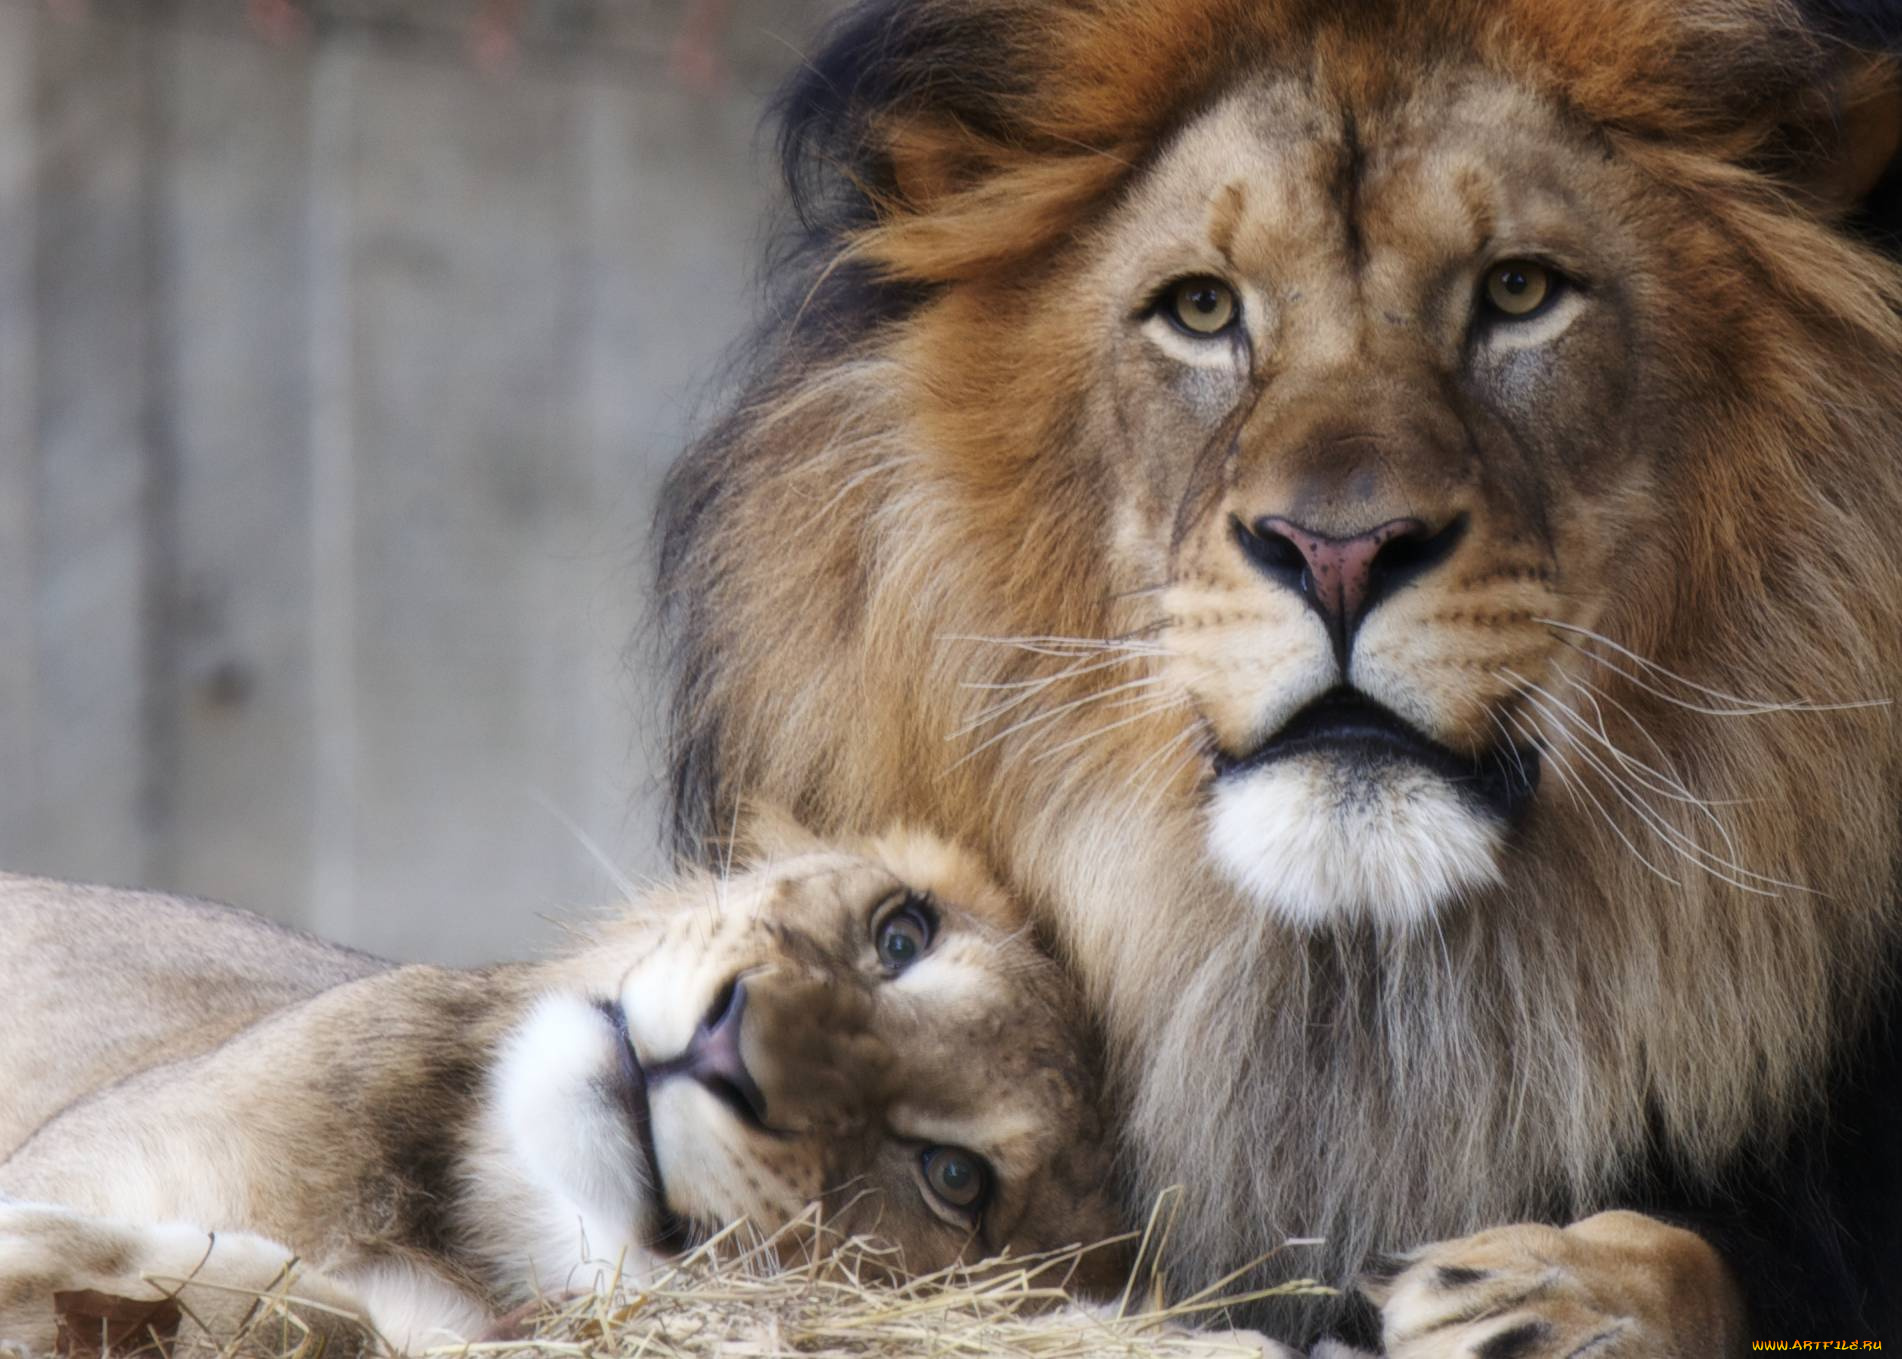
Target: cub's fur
[[432, 1144], [1381, 518]]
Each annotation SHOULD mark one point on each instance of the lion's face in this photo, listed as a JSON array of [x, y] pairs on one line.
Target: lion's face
[[870, 1032], [1378, 425]]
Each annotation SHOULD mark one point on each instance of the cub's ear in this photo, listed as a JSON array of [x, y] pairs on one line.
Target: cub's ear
[[950, 873], [1847, 132], [765, 832]]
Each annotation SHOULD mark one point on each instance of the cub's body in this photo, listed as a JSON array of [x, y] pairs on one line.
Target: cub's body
[[200, 1098]]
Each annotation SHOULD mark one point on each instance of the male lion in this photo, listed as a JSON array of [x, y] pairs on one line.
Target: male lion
[[869, 1030], [1384, 520]]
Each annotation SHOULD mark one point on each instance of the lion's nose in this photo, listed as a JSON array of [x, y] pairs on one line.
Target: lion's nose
[[1342, 579], [714, 1059]]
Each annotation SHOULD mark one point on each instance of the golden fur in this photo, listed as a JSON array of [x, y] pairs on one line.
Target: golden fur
[[437, 1143], [969, 536]]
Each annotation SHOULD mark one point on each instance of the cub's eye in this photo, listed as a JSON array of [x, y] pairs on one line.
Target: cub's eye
[[904, 932], [1202, 306], [958, 1178], [1517, 289]]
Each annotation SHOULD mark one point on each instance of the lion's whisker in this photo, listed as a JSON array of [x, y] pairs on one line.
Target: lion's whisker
[[622, 882], [1030, 689], [1016, 692], [1155, 757], [1143, 591], [1041, 681], [1657, 781], [1051, 714], [1592, 694], [1748, 709], [1133, 691], [1621, 783], [1741, 707], [1159, 782], [1580, 682], [1718, 866], [1138, 700], [1611, 822], [1154, 709], [1057, 645], [1518, 759], [1630, 797], [1673, 789], [1147, 700]]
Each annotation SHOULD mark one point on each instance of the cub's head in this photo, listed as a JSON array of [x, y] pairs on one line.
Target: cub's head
[[869, 1030]]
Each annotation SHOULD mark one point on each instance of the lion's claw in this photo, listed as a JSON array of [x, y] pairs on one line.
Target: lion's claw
[[1616, 1286]]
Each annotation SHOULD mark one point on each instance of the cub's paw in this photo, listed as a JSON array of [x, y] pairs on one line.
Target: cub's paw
[[1614, 1286], [81, 1285]]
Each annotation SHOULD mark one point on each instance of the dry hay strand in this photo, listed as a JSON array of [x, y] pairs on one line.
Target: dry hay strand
[[808, 1292], [837, 1302]]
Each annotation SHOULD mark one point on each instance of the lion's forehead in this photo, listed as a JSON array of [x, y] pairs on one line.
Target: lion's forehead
[[1265, 179]]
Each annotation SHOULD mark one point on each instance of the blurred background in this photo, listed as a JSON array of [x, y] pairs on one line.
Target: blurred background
[[343, 345]]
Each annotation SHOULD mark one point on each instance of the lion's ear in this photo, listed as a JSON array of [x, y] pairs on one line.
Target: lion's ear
[[1851, 131]]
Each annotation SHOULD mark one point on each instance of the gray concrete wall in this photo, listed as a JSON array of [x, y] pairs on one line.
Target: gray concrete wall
[[342, 346]]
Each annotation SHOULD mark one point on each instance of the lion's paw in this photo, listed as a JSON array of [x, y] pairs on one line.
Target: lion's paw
[[77, 1283], [48, 1252], [1615, 1286]]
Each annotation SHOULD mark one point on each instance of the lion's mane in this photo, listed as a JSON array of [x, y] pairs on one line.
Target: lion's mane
[[873, 568]]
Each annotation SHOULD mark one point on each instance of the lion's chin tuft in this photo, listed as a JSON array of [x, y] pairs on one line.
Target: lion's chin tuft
[[1317, 841]]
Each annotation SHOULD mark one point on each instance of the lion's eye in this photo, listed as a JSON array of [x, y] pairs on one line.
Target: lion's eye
[[1517, 289], [905, 930], [958, 1178], [1202, 306]]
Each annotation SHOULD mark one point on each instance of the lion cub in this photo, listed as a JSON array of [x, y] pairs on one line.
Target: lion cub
[[869, 1030]]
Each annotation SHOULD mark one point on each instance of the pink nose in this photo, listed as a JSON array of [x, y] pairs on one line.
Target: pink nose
[[1341, 570], [714, 1059], [1342, 578]]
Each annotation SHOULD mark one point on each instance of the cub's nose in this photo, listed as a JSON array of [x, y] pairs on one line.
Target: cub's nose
[[1342, 579], [713, 1056]]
